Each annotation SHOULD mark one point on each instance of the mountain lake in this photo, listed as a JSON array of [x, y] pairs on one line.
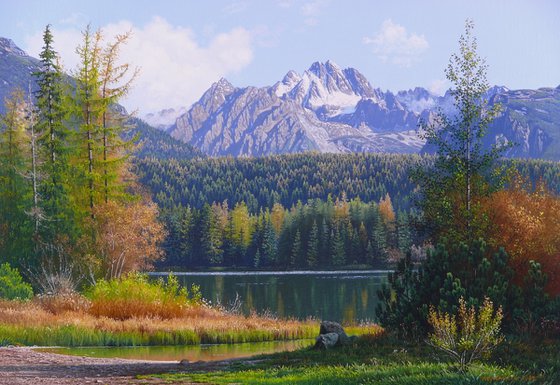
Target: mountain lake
[[348, 296]]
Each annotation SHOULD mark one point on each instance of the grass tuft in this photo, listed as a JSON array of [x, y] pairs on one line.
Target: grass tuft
[[135, 296]]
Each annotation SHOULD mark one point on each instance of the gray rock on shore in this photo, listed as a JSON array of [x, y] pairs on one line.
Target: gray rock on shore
[[331, 334]]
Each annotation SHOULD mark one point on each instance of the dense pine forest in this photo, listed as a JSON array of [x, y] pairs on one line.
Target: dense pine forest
[[295, 211]]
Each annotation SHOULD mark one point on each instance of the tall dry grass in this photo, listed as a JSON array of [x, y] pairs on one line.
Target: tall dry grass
[[30, 324], [136, 296], [134, 311]]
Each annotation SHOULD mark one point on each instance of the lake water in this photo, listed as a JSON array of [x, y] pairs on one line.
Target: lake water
[[343, 296], [191, 353]]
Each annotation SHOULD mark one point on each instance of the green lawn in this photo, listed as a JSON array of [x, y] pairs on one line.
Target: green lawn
[[386, 362]]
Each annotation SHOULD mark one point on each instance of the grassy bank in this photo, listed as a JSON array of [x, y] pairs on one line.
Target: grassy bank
[[386, 361], [30, 324]]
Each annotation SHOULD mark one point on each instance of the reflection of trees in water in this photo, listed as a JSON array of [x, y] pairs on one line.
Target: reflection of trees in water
[[280, 304], [349, 314], [321, 296], [249, 306], [218, 289]]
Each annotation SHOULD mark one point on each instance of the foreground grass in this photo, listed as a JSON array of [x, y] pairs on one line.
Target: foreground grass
[[29, 324], [422, 373], [386, 361]]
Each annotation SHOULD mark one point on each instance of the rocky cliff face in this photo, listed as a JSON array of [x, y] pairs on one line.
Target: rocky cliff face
[[329, 109], [16, 69], [324, 109]]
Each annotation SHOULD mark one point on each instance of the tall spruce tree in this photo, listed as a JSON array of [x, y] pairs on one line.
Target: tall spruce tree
[[404, 238], [51, 158], [338, 256], [269, 244], [295, 254], [313, 246]]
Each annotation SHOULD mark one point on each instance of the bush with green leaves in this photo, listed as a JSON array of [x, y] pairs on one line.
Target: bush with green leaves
[[451, 272], [12, 286], [468, 336]]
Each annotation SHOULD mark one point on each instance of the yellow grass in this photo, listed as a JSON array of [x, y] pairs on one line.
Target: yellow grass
[[28, 323]]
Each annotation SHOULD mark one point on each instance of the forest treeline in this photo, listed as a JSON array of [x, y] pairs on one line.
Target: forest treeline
[[295, 211], [287, 179], [318, 234]]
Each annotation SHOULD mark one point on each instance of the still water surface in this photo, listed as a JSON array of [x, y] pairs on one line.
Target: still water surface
[[191, 353], [343, 296], [346, 296]]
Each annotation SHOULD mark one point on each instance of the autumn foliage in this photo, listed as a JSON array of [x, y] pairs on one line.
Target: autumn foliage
[[127, 236], [527, 224]]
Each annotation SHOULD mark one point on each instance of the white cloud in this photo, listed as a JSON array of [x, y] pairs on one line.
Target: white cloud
[[285, 3], [174, 69], [76, 19], [439, 86], [311, 10], [235, 7], [393, 44]]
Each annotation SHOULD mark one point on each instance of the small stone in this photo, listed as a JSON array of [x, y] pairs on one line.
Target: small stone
[[184, 362]]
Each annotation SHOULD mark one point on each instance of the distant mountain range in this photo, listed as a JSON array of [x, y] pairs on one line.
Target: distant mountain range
[[329, 109], [325, 109]]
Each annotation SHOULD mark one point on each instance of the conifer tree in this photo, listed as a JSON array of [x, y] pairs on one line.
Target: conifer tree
[[324, 240], [337, 248], [114, 84], [296, 249], [257, 259], [269, 244], [14, 188], [51, 158], [404, 240], [89, 106], [379, 239], [313, 246], [211, 240]]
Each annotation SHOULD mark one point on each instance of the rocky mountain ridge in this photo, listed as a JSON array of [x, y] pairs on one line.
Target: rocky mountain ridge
[[324, 109], [329, 109]]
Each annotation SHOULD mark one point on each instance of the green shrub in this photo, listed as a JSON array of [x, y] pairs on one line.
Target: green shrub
[[12, 286], [468, 336], [135, 296], [451, 272]]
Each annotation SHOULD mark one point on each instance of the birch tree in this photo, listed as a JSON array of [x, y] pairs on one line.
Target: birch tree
[[463, 166]]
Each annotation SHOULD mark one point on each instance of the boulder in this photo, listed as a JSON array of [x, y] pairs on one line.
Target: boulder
[[326, 341], [334, 327]]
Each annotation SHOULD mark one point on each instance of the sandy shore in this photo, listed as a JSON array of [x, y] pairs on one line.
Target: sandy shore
[[25, 366]]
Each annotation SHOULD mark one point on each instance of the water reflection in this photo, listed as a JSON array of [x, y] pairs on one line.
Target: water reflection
[[340, 296], [191, 353]]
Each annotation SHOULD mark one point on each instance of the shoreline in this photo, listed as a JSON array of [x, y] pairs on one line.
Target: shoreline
[[268, 272], [26, 366]]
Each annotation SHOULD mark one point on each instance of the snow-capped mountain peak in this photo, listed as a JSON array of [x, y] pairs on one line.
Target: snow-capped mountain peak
[[330, 109]]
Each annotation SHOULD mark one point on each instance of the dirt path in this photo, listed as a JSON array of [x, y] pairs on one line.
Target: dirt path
[[25, 366]]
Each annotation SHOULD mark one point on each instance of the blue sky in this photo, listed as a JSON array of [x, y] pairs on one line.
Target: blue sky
[[182, 47]]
